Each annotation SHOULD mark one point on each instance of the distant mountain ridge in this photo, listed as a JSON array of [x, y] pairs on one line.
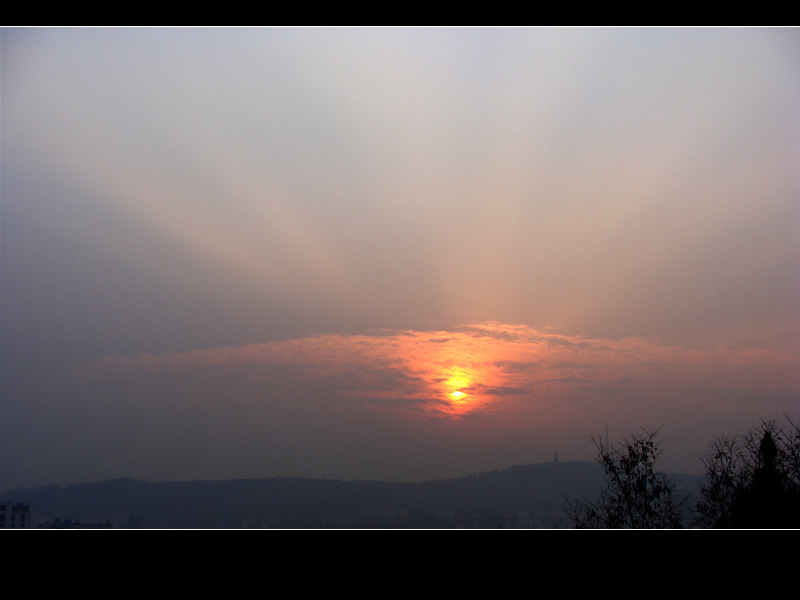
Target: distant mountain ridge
[[522, 496]]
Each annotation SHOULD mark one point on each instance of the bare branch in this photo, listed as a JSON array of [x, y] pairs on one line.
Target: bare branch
[[636, 495], [752, 480]]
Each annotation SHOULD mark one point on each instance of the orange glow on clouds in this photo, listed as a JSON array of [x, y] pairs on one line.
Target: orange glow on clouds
[[484, 369]]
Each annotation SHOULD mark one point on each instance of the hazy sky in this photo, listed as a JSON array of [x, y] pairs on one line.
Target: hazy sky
[[391, 253]]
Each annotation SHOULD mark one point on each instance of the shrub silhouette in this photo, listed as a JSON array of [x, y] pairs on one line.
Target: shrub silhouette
[[636, 495], [753, 480]]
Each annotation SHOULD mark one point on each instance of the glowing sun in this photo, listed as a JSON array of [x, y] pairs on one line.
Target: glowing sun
[[456, 389]]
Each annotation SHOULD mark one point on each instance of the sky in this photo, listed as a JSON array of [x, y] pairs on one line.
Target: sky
[[391, 253]]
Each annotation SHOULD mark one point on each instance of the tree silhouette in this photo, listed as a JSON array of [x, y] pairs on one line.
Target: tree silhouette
[[636, 495], [752, 481]]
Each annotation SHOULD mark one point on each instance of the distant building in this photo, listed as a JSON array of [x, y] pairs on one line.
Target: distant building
[[15, 515]]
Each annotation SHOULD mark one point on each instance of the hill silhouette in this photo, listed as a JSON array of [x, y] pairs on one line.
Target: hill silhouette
[[522, 496]]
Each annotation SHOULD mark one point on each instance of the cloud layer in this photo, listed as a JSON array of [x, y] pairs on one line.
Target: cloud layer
[[509, 390]]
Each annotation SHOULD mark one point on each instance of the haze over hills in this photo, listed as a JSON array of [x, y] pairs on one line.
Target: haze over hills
[[520, 497]]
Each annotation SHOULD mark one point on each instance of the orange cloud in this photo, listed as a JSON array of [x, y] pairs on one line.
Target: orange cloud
[[482, 369]]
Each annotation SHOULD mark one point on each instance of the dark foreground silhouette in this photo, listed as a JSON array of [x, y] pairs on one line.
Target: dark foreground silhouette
[[751, 481], [519, 497]]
